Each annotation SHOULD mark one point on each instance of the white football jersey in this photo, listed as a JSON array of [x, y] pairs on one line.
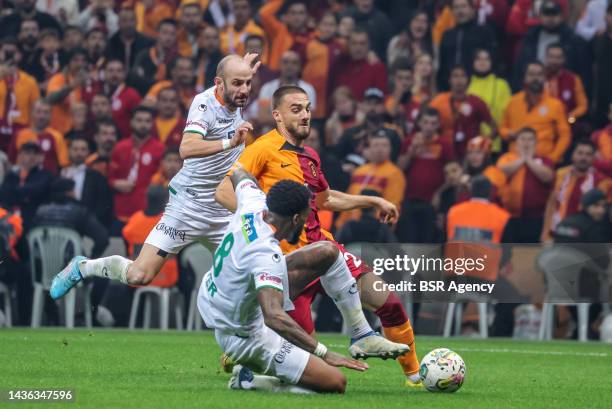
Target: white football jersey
[[248, 258], [195, 184]]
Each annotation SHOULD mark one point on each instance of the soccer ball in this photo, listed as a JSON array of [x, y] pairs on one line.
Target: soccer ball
[[442, 370]]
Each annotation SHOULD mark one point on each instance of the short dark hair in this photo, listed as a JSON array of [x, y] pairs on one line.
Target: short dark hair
[[142, 108], [429, 111], [555, 45], [255, 37], [585, 141], [533, 62], [458, 67], [167, 21], [112, 59], [280, 93], [360, 30], [95, 30], [32, 147], [9, 40], [172, 64], [287, 198], [105, 122], [480, 187], [527, 129], [51, 32], [76, 51], [171, 150], [401, 64], [78, 138]]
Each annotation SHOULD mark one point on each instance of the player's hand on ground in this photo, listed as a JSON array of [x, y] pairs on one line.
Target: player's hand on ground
[[251, 59], [334, 359], [387, 210], [241, 133]]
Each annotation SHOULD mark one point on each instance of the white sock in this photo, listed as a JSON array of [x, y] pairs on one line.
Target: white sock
[[340, 285], [272, 384], [414, 377], [113, 267]]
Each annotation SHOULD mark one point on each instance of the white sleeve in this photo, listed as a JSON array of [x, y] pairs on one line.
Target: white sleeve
[[249, 197], [200, 117], [269, 269]]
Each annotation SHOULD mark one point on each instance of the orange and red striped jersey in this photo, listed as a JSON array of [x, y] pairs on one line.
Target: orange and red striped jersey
[[271, 159]]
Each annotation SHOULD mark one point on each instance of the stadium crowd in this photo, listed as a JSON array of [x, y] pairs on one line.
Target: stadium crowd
[[411, 100]]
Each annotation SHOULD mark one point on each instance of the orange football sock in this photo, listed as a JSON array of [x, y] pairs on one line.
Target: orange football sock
[[403, 334]]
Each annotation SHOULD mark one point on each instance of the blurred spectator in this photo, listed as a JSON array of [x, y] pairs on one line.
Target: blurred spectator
[[290, 69], [526, 14], [28, 44], [78, 114], [564, 84], [170, 122], [424, 154], [25, 10], [123, 98], [105, 136], [478, 161], [592, 19], [356, 71], [354, 141], [50, 141], [533, 108], [90, 186], [171, 163], [485, 84], [553, 29], [234, 36], [65, 11], [27, 184], [461, 114], [330, 165], [345, 114], [400, 104], [376, 23], [127, 43], [49, 58], [254, 44], [100, 107], [150, 65], [11, 229], [413, 41], [455, 189], [367, 229], [207, 58], [73, 37], [149, 13], [588, 225], [66, 88], [320, 57], [290, 31], [134, 161], [603, 141], [346, 25], [182, 79], [530, 179], [571, 182], [95, 44], [190, 25], [460, 43], [5, 166], [61, 209], [379, 174], [18, 92], [99, 14], [602, 50], [424, 78]]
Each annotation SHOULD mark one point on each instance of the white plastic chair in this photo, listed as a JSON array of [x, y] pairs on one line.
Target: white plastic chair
[[200, 260], [455, 311], [6, 294], [53, 247], [163, 294], [561, 265]]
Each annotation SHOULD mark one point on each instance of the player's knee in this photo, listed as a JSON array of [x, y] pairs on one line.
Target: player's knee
[[338, 383]]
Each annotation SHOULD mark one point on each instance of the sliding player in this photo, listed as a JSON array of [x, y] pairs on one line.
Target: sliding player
[[245, 294], [212, 141], [281, 154]]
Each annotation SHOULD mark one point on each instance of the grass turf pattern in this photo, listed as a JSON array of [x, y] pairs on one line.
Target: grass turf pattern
[[150, 369]]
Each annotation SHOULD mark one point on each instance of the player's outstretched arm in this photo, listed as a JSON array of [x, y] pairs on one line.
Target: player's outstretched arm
[[225, 196], [275, 318], [338, 202], [194, 145]]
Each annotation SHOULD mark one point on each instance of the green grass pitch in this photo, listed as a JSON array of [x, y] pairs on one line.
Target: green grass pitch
[[122, 369]]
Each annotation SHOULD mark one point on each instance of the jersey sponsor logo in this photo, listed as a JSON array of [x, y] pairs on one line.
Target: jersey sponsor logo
[[170, 231], [196, 123], [313, 169], [276, 258], [473, 234], [282, 353], [191, 192], [248, 227], [225, 120], [202, 108]]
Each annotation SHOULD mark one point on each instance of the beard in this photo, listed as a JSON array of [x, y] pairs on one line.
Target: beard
[[141, 133], [536, 87], [233, 101], [295, 236], [299, 131]]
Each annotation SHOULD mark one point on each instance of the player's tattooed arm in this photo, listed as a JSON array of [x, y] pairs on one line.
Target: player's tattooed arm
[[239, 174], [275, 318]]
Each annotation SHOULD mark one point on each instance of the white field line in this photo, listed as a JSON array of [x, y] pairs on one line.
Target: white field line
[[518, 351]]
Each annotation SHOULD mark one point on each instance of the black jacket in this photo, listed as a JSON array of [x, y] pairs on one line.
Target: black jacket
[[602, 51], [97, 196], [577, 53], [589, 236], [11, 24], [210, 68], [378, 26], [66, 212], [26, 197], [116, 47], [366, 230], [458, 46]]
